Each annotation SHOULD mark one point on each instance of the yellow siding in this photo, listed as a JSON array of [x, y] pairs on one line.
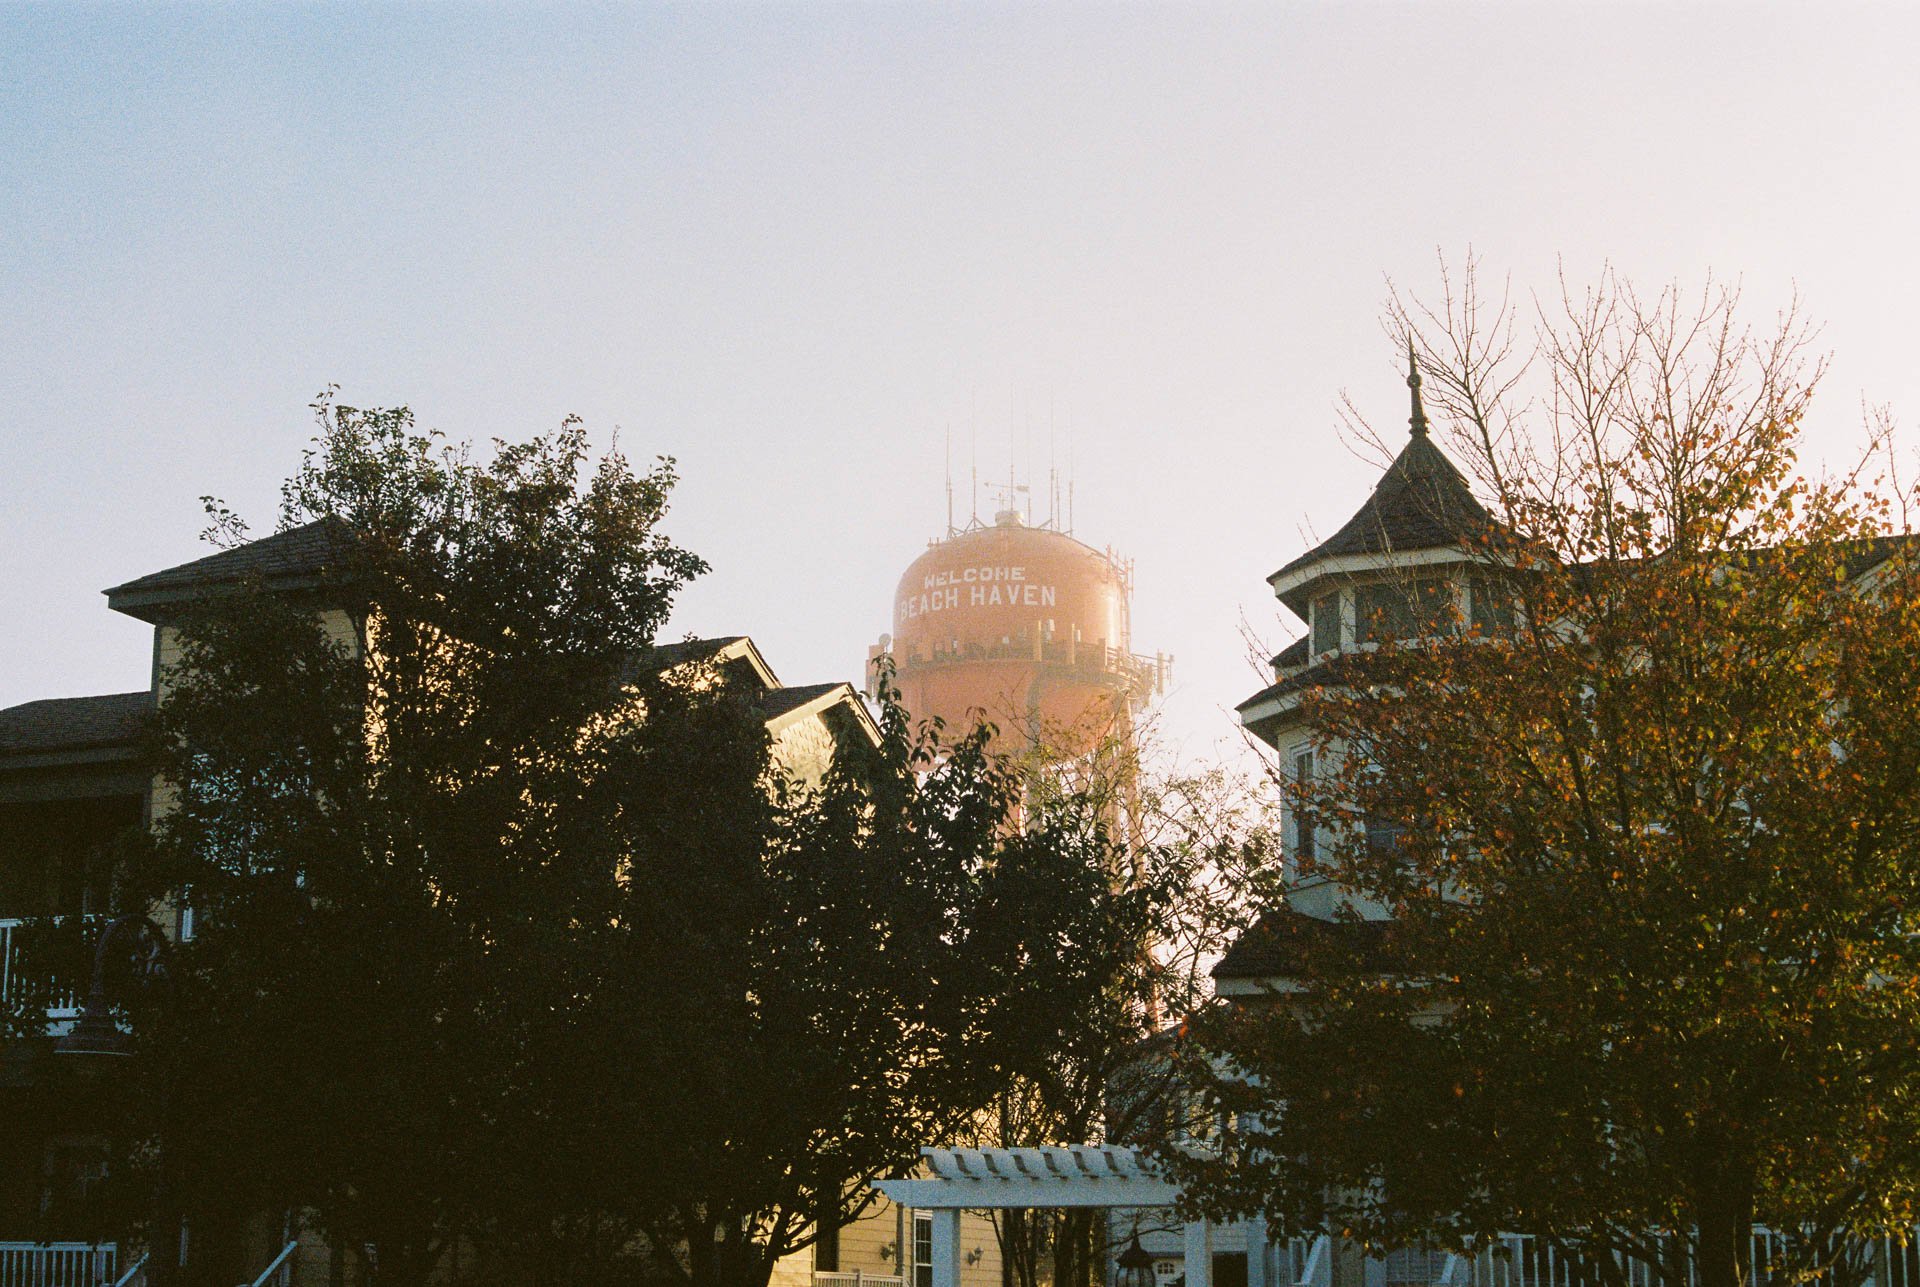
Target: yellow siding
[[890, 1228], [805, 749], [166, 656], [976, 1230], [792, 1271], [862, 1242]]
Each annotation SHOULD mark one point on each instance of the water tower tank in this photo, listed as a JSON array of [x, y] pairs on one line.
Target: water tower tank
[[1025, 626]]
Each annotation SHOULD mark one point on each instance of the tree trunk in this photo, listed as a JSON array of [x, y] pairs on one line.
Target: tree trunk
[[720, 1256], [1021, 1237], [1723, 1220], [1074, 1254], [1024, 1243]]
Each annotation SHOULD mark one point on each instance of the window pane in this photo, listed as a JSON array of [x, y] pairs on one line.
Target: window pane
[[1404, 609], [1326, 622], [1492, 607], [1383, 835], [1302, 833]]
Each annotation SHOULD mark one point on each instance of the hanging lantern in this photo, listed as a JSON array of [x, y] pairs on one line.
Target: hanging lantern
[[1135, 1265]]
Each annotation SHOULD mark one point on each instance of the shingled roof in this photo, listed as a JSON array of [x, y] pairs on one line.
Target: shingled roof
[[1284, 943], [1294, 654], [1341, 668], [665, 656], [56, 724], [298, 554], [1421, 503], [779, 701]]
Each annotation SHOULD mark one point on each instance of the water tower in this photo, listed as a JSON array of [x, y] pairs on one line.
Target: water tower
[[1023, 625]]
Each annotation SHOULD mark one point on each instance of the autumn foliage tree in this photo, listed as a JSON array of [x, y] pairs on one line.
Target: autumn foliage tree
[[1648, 833]]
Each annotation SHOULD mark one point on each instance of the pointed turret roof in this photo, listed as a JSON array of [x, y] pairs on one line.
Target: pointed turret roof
[[1421, 503]]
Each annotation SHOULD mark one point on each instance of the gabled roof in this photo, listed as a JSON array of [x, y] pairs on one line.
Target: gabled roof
[[737, 657], [295, 557], [784, 700], [782, 706], [70, 724], [733, 654], [681, 652]]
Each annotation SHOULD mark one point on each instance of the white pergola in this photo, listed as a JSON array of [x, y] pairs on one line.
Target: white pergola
[[1081, 1175]]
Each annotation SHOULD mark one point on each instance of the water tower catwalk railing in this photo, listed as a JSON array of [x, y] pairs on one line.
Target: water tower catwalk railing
[[1086, 661]]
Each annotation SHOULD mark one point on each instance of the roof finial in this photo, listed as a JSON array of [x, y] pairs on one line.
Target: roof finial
[[1418, 421]]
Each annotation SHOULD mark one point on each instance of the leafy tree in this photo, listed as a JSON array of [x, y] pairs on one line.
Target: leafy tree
[[829, 981], [371, 796], [1193, 853], [517, 953], [1647, 830]]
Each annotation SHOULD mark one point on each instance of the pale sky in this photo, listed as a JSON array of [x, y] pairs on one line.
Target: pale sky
[[791, 245]]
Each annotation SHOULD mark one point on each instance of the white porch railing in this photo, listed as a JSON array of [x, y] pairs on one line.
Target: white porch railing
[[58, 1264], [1521, 1260], [1406, 1266], [64, 1004], [853, 1278]]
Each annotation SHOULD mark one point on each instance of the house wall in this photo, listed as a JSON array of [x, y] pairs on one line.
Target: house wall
[[805, 749], [61, 822], [1315, 895], [1164, 1236], [870, 1245]]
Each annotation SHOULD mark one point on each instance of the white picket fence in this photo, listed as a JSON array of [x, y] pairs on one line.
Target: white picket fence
[[58, 1264], [1520, 1260]]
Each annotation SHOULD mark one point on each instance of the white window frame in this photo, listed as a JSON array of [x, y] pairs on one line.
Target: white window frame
[[920, 1263], [1303, 766]]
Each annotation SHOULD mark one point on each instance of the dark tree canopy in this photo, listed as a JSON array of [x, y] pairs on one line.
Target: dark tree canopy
[[515, 943]]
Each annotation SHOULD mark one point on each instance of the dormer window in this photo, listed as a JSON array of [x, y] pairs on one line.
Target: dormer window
[[1404, 608], [1326, 623]]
